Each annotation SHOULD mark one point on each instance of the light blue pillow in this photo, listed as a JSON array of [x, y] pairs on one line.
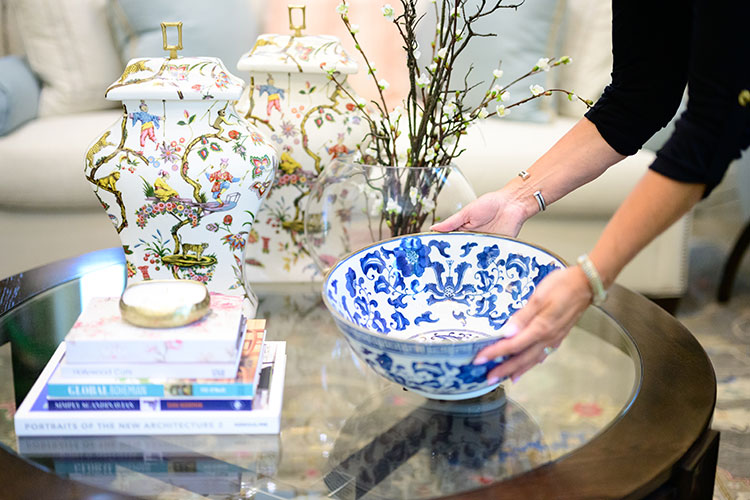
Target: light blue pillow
[[225, 29], [19, 93], [524, 35]]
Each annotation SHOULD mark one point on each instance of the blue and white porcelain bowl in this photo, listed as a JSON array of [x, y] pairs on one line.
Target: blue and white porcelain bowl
[[418, 308]]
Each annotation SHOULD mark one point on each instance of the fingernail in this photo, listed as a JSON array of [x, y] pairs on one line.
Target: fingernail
[[515, 379], [479, 360], [493, 380], [510, 329]]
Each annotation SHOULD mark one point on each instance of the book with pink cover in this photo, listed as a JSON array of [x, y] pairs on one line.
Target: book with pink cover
[[100, 335]]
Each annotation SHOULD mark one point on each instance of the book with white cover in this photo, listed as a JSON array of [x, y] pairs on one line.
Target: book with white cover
[[34, 418], [101, 335]]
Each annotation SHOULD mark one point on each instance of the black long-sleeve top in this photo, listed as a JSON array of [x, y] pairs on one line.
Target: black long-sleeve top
[[659, 46]]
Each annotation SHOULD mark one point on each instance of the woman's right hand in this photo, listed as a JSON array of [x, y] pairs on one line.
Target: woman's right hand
[[493, 212]]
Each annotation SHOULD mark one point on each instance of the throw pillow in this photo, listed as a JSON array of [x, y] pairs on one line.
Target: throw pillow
[[524, 35], [19, 93], [225, 29], [69, 45]]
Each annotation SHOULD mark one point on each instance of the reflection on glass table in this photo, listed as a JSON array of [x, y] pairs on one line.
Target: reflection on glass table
[[346, 432]]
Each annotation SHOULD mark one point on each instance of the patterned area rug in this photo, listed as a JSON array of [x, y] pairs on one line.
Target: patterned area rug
[[724, 332]]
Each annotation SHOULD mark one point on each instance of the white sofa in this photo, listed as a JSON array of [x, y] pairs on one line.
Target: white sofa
[[48, 212]]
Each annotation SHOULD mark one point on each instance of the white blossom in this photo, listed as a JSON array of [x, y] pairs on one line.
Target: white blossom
[[432, 67], [388, 12], [450, 108], [423, 80], [393, 206], [501, 111], [354, 29], [483, 113], [504, 97], [543, 64], [497, 73], [442, 53], [417, 54], [536, 89], [495, 91], [428, 204], [413, 192], [342, 9], [383, 84]]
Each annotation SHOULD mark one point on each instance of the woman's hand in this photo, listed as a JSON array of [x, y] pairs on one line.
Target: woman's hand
[[544, 321], [493, 212]]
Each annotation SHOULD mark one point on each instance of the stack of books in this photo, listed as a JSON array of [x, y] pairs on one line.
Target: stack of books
[[217, 375]]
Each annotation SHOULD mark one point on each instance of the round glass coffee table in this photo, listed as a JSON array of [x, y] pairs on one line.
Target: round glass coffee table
[[621, 410]]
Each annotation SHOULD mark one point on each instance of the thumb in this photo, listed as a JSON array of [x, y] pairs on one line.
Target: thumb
[[453, 222]]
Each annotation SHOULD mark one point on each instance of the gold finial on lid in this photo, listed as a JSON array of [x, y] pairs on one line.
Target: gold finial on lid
[[296, 28], [172, 48]]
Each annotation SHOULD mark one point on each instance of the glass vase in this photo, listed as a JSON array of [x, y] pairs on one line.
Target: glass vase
[[352, 205]]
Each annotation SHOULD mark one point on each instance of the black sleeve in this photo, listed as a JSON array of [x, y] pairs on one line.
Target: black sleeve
[[650, 41], [715, 128]]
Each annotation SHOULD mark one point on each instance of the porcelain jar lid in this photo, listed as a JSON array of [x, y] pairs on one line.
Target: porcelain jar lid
[[297, 53], [176, 78]]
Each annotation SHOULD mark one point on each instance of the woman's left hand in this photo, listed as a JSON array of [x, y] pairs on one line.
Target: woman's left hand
[[544, 321]]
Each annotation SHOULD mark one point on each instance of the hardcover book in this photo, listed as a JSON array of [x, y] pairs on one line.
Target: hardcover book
[[34, 418], [254, 330], [103, 388], [101, 335]]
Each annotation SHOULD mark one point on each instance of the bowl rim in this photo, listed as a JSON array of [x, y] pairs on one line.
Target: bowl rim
[[339, 317]]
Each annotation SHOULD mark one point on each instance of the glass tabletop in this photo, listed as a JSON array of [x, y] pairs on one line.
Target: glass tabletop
[[346, 432]]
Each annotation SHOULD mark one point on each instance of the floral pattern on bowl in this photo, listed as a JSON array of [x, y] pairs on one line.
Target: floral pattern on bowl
[[418, 308]]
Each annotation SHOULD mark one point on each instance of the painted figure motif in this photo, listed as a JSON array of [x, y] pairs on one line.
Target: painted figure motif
[[221, 180], [148, 122], [274, 93]]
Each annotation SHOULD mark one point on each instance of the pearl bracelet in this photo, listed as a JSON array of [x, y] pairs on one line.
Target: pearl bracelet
[[595, 281]]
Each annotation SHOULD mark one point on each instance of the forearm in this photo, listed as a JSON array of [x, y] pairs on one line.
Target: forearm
[[654, 204], [580, 156]]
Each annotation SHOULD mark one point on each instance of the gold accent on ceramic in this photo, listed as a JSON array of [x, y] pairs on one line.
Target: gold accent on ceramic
[[156, 317], [297, 28], [172, 48], [744, 98]]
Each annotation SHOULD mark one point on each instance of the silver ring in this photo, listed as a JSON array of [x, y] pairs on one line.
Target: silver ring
[[523, 174], [549, 350]]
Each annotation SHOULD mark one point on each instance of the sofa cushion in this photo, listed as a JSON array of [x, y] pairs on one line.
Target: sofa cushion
[[10, 41], [50, 152], [69, 45], [207, 30], [19, 93], [588, 41], [497, 150]]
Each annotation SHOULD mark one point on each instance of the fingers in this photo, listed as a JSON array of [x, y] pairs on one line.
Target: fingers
[[512, 343], [515, 366]]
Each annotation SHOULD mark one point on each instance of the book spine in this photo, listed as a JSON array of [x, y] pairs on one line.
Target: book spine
[[103, 423], [130, 391], [149, 370], [149, 404]]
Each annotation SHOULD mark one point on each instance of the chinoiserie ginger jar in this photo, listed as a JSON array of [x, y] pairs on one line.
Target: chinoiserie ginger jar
[[181, 174], [311, 120]]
